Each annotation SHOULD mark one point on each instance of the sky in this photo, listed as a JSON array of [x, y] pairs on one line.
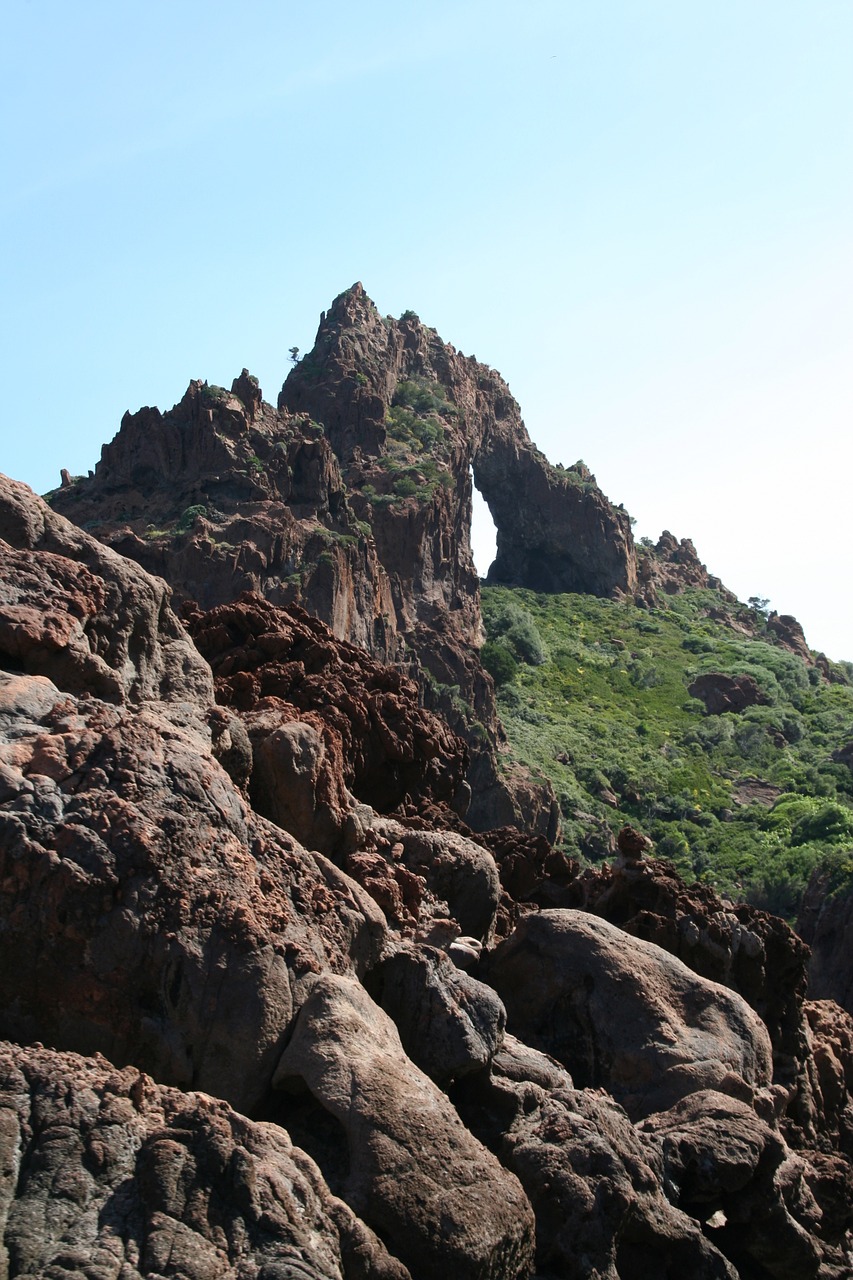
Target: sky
[[639, 211]]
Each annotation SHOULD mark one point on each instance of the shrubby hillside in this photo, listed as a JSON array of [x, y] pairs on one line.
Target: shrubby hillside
[[594, 696]]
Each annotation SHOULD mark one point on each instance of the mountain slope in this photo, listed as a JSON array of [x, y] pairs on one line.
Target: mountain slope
[[691, 719]]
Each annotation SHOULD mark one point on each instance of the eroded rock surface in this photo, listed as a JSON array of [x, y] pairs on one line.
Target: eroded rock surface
[[418, 1176], [726, 693], [105, 1173], [324, 718], [87, 618], [624, 1015], [148, 913]]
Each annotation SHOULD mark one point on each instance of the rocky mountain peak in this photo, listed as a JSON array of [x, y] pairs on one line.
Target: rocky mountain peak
[[379, 384]]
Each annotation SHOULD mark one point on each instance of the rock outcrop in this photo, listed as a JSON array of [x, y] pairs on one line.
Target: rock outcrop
[[556, 530], [754, 953], [354, 500], [325, 718], [88, 619], [222, 495], [826, 924], [670, 566], [103, 1172], [438, 1197], [623, 1015], [327, 1025], [726, 693]]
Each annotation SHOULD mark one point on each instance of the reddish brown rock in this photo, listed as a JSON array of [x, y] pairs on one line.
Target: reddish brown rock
[[177, 925], [86, 618], [624, 1015], [278, 666], [595, 1183], [437, 1197], [222, 494], [450, 1024], [726, 693], [671, 566], [756, 954], [526, 861], [831, 1042], [730, 1169], [553, 524], [788, 633], [105, 1173]]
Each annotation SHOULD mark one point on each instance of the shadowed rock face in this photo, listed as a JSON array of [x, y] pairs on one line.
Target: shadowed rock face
[[726, 693], [826, 923]]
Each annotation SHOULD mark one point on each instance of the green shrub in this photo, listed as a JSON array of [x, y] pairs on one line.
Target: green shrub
[[609, 704], [189, 517], [405, 487], [499, 662]]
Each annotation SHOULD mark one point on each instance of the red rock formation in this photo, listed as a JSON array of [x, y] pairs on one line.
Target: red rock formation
[[222, 495], [751, 951], [148, 910], [671, 566], [362, 728], [107, 1173], [726, 693]]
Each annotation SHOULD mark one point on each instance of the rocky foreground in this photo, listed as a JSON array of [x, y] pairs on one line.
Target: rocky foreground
[[272, 1009]]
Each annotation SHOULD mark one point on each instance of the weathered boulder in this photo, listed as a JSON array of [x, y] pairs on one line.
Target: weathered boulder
[[85, 617], [297, 775], [755, 953], [831, 1045], [596, 1185], [457, 870], [729, 1168], [721, 693], [148, 913], [449, 1023], [104, 1173], [624, 1015], [440, 1200]]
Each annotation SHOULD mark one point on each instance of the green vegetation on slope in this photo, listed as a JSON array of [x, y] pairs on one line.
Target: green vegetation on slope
[[593, 695]]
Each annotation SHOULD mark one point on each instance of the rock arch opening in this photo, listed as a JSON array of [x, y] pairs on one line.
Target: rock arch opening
[[484, 534]]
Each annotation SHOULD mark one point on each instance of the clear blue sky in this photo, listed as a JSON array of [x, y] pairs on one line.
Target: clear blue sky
[[641, 213]]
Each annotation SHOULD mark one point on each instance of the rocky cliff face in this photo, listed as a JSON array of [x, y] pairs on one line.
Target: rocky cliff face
[[826, 923], [268, 1060], [222, 494], [353, 498], [390, 392]]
